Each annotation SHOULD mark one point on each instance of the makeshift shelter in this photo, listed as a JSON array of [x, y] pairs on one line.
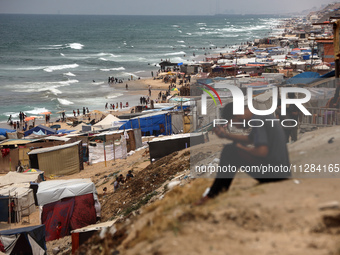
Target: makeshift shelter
[[100, 152], [15, 178], [23, 198], [28, 240], [71, 202], [4, 131], [58, 160], [107, 122], [162, 146], [44, 130], [17, 149], [81, 235], [157, 123]]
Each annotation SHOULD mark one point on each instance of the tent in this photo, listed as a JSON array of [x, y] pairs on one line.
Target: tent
[[15, 178], [28, 240], [23, 198], [44, 130], [81, 235], [163, 146], [71, 202], [4, 130], [58, 160], [306, 77], [158, 123], [106, 122]]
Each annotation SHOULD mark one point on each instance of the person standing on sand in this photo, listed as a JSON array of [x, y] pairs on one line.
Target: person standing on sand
[[268, 149], [9, 118], [58, 230], [126, 86]]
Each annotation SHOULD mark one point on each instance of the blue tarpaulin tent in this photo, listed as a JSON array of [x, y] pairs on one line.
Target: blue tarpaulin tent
[[44, 129], [306, 77], [158, 123], [28, 240], [4, 130]]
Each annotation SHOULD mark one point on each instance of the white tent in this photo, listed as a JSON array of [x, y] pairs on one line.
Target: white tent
[[23, 197], [107, 122], [14, 177], [52, 191]]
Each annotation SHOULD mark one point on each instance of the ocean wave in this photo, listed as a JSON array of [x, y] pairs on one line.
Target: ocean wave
[[75, 46], [174, 53], [181, 41], [53, 90], [14, 114], [69, 74], [64, 101], [37, 110], [114, 96], [107, 54], [98, 83], [59, 67], [33, 87], [113, 69], [140, 71], [61, 54]]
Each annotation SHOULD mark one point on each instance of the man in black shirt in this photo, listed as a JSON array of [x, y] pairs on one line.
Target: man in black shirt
[[268, 149]]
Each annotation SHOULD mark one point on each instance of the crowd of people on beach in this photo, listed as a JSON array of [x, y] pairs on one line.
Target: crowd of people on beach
[[77, 112]]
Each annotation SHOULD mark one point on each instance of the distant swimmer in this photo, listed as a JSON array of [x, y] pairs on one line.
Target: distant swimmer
[[93, 81]]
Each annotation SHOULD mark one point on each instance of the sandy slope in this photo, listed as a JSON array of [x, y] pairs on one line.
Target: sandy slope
[[276, 218]]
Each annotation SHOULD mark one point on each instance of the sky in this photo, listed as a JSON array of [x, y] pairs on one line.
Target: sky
[[158, 7]]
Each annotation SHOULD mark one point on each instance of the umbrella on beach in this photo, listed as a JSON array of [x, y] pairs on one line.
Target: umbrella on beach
[[29, 118], [174, 89]]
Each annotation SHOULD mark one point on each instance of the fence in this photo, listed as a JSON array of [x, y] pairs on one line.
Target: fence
[[321, 117]]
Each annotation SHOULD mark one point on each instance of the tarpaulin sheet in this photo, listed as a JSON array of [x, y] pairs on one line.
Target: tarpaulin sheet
[[53, 213], [75, 212], [84, 212], [152, 124], [119, 151]]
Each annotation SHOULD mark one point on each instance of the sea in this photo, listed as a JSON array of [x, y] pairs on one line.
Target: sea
[[62, 62]]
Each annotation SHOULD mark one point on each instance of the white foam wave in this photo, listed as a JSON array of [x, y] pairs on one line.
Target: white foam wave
[[181, 41], [37, 110], [174, 53], [102, 54], [69, 74], [14, 114], [113, 96], [98, 83], [113, 69], [59, 67], [76, 46], [64, 101], [180, 31], [62, 54], [140, 71]]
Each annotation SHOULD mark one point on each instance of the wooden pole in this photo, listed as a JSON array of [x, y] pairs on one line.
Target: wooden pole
[[104, 154], [336, 26]]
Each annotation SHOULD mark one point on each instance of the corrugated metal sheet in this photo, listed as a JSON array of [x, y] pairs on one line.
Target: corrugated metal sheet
[[54, 148]]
